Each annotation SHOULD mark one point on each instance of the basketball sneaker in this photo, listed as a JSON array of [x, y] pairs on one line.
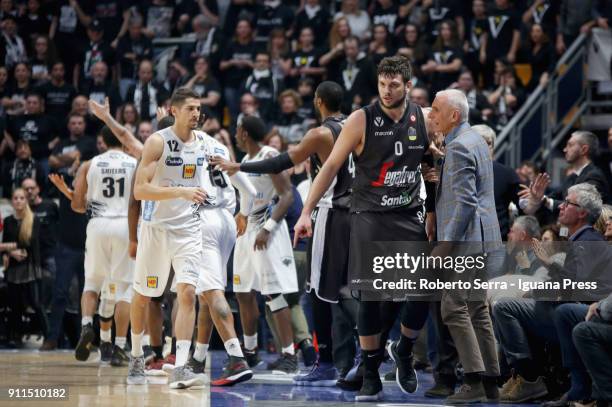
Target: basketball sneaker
[[236, 370], [322, 374], [252, 357], [405, 377], [371, 389], [136, 374], [183, 377], [197, 367], [119, 357], [82, 349], [287, 365], [106, 352]]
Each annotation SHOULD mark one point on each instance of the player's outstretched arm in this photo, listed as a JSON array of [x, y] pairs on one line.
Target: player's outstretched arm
[[79, 197], [144, 190], [132, 145]]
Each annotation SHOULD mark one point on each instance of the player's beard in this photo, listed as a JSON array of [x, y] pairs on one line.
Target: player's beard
[[401, 101]]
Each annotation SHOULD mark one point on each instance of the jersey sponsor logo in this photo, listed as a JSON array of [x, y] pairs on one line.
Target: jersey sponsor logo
[[412, 134], [189, 171], [402, 200], [219, 151], [112, 288], [383, 133], [378, 121], [200, 161], [128, 165], [174, 161], [236, 279], [102, 164], [399, 178], [151, 282]]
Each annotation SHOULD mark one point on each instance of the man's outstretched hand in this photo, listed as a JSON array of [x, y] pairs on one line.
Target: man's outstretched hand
[[225, 165]]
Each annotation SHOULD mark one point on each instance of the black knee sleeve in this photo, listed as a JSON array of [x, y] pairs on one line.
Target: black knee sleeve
[[369, 322]]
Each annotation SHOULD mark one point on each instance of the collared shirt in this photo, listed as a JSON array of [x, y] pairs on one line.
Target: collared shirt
[[578, 232], [455, 132], [579, 170]]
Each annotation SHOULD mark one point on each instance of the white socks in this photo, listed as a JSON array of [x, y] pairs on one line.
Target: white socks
[[182, 352], [105, 336], [86, 320], [120, 341], [289, 349], [137, 344], [146, 340], [232, 347], [250, 342], [199, 353]]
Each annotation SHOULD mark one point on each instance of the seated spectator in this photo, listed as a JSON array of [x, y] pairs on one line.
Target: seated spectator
[[97, 50], [412, 46], [14, 98], [540, 55], [357, 76], [288, 122], [333, 58], [270, 15], [206, 85], [387, 13], [80, 106], [176, 74], [545, 13], [316, 17], [33, 23], [358, 20], [306, 90], [57, 93], [419, 96], [22, 267], [44, 57], [98, 87], [275, 140], [278, 49], [132, 49], [208, 43], [602, 222], [77, 147], [4, 77], [264, 86], [507, 98], [445, 60], [21, 168], [249, 106], [481, 110], [380, 46], [158, 16], [189, 8], [527, 172], [12, 47], [305, 60], [434, 12], [35, 127], [146, 95], [144, 130], [128, 117]]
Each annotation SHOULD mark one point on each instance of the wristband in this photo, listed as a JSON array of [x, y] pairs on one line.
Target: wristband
[[270, 225]]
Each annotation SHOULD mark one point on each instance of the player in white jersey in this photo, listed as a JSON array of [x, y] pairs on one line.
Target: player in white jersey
[[169, 181], [263, 258], [102, 188]]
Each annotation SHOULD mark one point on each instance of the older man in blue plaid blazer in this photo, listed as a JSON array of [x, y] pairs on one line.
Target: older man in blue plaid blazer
[[465, 212]]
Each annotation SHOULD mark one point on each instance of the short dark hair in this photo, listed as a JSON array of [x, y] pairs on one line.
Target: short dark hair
[[35, 94], [181, 95], [75, 114], [255, 127], [165, 122], [331, 94], [395, 65], [109, 138]]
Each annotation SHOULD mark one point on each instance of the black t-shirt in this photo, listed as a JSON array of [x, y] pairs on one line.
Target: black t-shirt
[[502, 24], [304, 59], [438, 12], [32, 25], [269, 18], [141, 47], [39, 67], [389, 17], [306, 111], [110, 15], [546, 15], [68, 23], [98, 92], [47, 213], [447, 55], [388, 171], [38, 130], [58, 99], [320, 25], [205, 88], [476, 28], [72, 224], [159, 19], [235, 76], [94, 53], [85, 144]]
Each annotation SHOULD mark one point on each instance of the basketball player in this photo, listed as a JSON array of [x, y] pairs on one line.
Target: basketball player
[[102, 187], [169, 183], [263, 258], [388, 140], [327, 256]]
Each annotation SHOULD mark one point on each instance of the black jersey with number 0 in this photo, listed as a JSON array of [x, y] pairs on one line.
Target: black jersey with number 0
[[339, 193], [388, 171]]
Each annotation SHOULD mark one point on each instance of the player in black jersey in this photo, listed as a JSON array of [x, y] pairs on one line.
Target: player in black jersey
[[388, 141], [327, 251]]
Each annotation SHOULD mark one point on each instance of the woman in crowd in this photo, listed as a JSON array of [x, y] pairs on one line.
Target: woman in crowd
[[358, 19], [128, 116], [380, 46], [446, 59], [205, 84], [44, 57], [540, 55]]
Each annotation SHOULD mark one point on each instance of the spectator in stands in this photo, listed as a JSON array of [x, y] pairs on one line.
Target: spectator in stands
[[35, 127], [176, 74], [380, 46], [98, 87], [22, 266], [7, 7], [57, 93], [275, 140], [288, 122], [97, 50], [131, 50], [77, 147], [602, 223], [80, 106], [333, 58], [358, 20], [475, 43], [128, 117], [508, 97], [504, 37], [593, 339], [146, 95], [412, 46], [21, 168], [357, 76], [4, 77], [305, 60], [445, 60], [481, 110], [434, 12], [270, 15], [237, 11], [506, 183], [278, 49], [206, 85], [33, 23], [540, 55], [42, 60], [237, 64], [159, 17], [316, 17], [306, 90], [14, 99], [249, 107], [527, 172], [264, 86], [208, 43], [603, 14], [12, 46], [47, 213], [604, 160], [575, 17], [545, 13], [114, 16], [387, 12], [419, 96], [144, 130]]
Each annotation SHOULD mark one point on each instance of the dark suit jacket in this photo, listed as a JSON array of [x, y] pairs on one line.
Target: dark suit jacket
[[591, 174], [506, 185]]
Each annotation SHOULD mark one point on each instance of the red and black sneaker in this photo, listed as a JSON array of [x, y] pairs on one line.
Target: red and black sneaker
[[237, 370]]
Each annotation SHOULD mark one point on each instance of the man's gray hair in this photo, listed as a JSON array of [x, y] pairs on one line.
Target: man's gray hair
[[458, 101], [486, 133], [589, 199], [530, 225], [587, 138]]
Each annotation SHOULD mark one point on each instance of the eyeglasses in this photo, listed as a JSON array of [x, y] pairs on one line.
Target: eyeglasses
[[566, 203]]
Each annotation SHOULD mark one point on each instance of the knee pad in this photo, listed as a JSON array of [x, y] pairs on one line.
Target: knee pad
[[106, 309], [276, 302]]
